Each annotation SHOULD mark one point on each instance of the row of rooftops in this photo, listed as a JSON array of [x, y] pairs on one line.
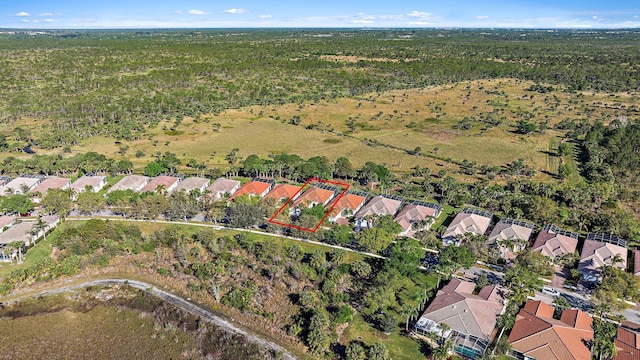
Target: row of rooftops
[[512, 235], [352, 204]]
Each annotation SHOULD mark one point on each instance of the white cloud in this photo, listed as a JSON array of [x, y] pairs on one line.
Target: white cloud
[[24, 20], [361, 21], [47, 14], [22, 14], [482, 17], [235, 11], [177, 12], [197, 12], [265, 16], [596, 17], [419, 14], [48, 20]]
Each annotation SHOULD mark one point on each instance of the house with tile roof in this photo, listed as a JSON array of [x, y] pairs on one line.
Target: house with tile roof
[[284, 192], [627, 342], [510, 236], [256, 187], [380, 205], [314, 195], [6, 221], [167, 182], [554, 242], [471, 317], [52, 182], [537, 335], [469, 220], [130, 182], [93, 183], [343, 208], [600, 250], [21, 183], [24, 232], [193, 183], [417, 216], [223, 187]]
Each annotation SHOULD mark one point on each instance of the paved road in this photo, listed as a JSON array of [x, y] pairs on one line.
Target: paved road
[[175, 300]]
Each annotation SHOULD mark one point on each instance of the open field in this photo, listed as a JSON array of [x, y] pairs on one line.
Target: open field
[[385, 128]]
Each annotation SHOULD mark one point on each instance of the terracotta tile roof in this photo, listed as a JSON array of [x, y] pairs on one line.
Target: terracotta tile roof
[[252, 188], [457, 306], [167, 182], [51, 183], [552, 242], [379, 205], [313, 196], [414, 213], [351, 202], [537, 334], [284, 191], [627, 342]]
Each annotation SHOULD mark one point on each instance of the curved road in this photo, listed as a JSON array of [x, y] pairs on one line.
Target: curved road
[[177, 301]]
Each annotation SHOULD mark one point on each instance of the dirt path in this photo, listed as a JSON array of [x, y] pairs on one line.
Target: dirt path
[[173, 299]]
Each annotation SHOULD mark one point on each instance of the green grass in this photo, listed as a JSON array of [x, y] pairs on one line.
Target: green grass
[[447, 210], [34, 254], [400, 347]]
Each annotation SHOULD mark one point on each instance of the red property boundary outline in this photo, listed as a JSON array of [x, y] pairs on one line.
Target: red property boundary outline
[[326, 214]]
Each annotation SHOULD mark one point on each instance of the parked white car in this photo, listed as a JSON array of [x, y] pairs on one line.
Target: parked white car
[[550, 291]]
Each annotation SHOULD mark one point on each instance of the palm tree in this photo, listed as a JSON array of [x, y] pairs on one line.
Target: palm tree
[[443, 329], [442, 352]]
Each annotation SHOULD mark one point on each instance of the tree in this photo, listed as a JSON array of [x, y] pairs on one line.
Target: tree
[[355, 351], [387, 323], [405, 256], [373, 239], [603, 346], [244, 215], [452, 258], [521, 283], [17, 204], [525, 127], [561, 304], [90, 202], [181, 206], [537, 263], [154, 168], [57, 201], [343, 168], [378, 351]]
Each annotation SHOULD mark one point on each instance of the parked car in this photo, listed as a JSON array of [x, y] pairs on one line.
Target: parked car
[[550, 291]]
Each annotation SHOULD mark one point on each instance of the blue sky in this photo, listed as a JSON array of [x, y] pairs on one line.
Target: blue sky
[[97, 14]]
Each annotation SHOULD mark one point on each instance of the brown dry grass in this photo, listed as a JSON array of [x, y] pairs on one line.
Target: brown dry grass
[[103, 332], [404, 119]]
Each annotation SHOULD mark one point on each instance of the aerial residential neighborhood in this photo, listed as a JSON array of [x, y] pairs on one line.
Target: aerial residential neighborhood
[[333, 181]]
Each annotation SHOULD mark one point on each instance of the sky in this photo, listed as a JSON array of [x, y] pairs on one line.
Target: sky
[[115, 14]]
